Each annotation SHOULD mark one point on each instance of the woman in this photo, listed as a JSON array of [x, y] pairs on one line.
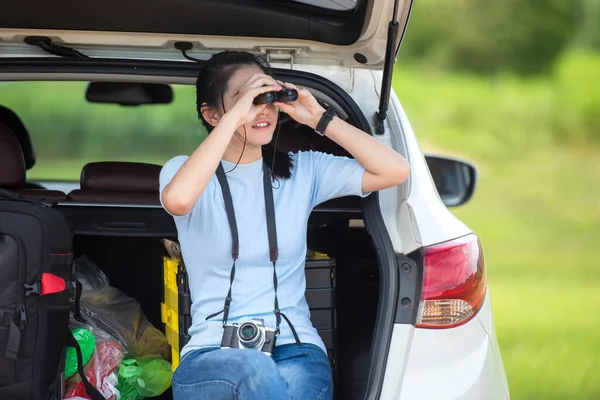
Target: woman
[[239, 140]]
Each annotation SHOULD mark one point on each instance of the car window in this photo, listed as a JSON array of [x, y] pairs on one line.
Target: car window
[[339, 5], [67, 131]]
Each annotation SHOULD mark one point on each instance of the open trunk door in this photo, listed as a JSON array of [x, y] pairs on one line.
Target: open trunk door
[[331, 32]]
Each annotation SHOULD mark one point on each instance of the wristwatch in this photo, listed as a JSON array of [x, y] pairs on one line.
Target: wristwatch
[[325, 120]]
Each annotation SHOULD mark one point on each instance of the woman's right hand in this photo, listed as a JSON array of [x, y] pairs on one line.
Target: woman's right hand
[[243, 109]]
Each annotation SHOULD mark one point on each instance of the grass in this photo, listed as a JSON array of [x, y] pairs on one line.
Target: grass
[[537, 211], [539, 220]]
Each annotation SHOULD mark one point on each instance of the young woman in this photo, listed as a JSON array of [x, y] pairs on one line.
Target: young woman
[[239, 140]]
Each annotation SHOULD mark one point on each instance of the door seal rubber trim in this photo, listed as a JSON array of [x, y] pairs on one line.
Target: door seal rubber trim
[[388, 294]]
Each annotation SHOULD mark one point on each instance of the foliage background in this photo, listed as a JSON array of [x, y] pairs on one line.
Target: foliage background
[[514, 86]]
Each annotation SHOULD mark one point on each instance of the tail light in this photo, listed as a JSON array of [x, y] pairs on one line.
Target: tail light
[[454, 283]]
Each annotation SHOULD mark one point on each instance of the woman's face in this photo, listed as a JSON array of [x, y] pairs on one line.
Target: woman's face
[[260, 131]]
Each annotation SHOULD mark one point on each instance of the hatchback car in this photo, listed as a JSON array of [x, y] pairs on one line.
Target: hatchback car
[[412, 311]]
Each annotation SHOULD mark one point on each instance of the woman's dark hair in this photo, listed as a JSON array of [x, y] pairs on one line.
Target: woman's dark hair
[[211, 86]]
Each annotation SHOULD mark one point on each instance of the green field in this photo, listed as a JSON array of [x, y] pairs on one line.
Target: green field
[[539, 220], [537, 211], [536, 143]]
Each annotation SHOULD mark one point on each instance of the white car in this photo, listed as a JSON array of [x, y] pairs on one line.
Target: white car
[[412, 312]]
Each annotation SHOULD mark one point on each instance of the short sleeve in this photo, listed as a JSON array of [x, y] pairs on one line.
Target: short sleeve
[[334, 176], [167, 173]]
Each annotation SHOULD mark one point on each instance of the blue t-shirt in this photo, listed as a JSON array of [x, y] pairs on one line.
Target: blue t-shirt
[[205, 240]]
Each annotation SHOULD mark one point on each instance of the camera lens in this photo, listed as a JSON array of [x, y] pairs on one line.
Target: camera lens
[[248, 331], [250, 336]]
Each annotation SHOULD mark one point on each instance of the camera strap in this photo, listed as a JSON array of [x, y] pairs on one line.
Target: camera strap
[[235, 246]]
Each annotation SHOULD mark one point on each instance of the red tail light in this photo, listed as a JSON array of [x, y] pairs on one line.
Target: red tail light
[[454, 283]]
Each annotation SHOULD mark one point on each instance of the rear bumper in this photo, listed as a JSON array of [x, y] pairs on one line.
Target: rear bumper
[[462, 363]]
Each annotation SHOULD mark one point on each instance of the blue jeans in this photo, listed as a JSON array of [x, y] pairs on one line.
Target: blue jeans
[[293, 372]]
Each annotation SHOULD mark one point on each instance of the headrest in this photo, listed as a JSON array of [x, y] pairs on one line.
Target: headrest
[[12, 164], [11, 120], [120, 176]]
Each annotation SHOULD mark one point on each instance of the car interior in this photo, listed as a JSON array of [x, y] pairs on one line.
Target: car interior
[[118, 223]]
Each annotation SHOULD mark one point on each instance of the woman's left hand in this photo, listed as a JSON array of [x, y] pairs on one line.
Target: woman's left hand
[[305, 110]]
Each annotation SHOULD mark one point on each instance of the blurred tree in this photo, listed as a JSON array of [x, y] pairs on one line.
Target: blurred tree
[[588, 29], [486, 36]]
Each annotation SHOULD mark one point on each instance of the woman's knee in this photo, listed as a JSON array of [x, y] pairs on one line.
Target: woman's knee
[[207, 389], [307, 373], [250, 374], [256, 371], [186, 372]]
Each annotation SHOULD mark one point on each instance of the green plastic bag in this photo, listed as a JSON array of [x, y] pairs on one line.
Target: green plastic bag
[[145, 377], [87, 343]]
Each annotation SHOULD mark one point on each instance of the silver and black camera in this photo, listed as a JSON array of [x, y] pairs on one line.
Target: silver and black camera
[[252, 334]]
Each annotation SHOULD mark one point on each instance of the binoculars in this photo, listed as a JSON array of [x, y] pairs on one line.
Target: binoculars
[[284, 96]]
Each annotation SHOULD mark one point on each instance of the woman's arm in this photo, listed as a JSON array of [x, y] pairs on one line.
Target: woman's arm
[[383, 166], [190, 181]]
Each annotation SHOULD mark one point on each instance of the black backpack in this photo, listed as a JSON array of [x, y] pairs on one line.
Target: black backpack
[[37, 293]]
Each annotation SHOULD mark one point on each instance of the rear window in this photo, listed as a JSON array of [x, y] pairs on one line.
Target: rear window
[[339, 5], [67, 131]]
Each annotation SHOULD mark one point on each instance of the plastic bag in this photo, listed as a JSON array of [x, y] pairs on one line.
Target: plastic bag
[[101, 368], [90, 276], [142, 378], [87, 343], [118, 314], [100, 372]]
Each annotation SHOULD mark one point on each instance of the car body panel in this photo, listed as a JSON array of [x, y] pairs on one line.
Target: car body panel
[[452, 364], [416, 217], [432, 222]]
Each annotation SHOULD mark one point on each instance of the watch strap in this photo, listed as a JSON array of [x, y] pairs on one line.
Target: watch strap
[[325, 120]]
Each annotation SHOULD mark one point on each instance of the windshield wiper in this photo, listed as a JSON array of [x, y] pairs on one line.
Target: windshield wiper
[[46, 44]]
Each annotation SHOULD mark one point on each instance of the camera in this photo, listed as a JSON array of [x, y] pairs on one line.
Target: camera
[[284, 96], [252, 334]]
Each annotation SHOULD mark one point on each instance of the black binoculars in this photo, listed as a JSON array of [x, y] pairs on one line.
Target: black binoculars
[[284, 96]]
